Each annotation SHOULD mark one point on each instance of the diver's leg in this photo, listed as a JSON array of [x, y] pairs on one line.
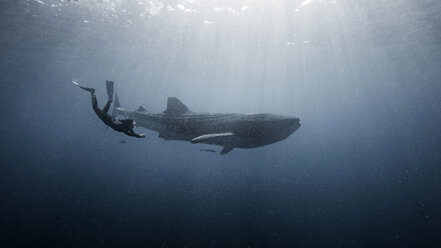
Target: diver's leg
[[107, 107], [109, 88], [91, 90], [94, 101]]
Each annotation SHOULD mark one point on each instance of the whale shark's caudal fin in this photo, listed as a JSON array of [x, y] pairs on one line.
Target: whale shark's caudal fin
[[175, 107]]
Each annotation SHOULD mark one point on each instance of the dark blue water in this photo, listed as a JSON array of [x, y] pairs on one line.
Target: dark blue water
[[364, 77]]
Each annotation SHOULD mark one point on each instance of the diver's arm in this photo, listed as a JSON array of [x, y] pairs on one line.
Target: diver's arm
[[140, 135], [133, 134]]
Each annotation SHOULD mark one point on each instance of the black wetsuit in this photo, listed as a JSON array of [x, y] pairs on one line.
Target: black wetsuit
[[124, 125]]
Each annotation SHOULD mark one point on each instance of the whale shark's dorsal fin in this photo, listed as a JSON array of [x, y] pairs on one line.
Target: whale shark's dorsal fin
[[175, 107]]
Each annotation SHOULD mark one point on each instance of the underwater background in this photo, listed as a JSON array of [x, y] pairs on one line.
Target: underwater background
[[364, 77]]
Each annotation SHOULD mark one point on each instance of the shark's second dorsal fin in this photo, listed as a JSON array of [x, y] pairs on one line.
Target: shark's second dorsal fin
[[175, 107], [141, 109]]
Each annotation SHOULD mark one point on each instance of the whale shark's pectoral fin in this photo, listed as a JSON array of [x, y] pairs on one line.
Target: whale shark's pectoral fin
[[211, 136], [226, 150]]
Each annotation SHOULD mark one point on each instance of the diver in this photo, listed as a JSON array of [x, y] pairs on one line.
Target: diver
[[121, 125]]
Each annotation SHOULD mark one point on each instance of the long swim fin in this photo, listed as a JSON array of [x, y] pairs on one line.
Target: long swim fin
[[110, 88], [91, 90]]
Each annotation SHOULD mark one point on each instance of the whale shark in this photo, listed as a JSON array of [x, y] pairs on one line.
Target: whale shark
[[230, 130]]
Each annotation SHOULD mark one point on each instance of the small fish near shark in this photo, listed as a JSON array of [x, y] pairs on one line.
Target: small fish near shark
[[231, 131]]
